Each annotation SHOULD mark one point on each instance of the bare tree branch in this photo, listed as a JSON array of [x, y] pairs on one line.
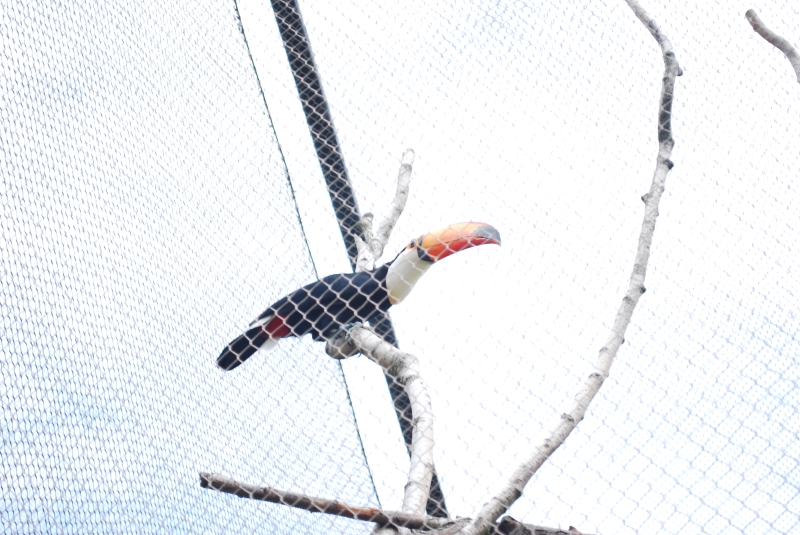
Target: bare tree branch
[[660, 37], [775, 40], [371, 243], [401, 367], [322, 505], [398, 204], [404, 368], [570, 419], [430, 525], [365, 260], [511, 526]]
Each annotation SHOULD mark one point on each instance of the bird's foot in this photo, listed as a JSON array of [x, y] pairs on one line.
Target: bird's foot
[[340, 345]]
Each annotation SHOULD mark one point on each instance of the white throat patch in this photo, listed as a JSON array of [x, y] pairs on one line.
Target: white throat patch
[[404, 273]]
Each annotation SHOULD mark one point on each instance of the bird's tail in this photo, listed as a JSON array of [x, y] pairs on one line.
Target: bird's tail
[[256, 338]]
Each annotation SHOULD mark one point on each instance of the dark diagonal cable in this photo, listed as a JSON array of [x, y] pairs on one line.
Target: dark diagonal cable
[[302, 228], [326, 143]]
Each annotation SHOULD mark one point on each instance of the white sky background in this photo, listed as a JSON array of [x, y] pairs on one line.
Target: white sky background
[[144, 216], [542, 121]]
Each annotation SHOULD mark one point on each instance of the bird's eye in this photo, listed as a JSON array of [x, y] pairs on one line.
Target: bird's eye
[[415, 243]]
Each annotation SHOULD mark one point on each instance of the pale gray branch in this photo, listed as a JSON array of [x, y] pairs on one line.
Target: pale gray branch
[[500, 503], [365, 258], [371, 243], [655, 31], [398, 204], [322, 505], [403, 368], [775, 40]]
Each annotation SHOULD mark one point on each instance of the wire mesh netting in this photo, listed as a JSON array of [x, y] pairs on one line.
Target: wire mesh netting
[[151, 211], [146, 217]]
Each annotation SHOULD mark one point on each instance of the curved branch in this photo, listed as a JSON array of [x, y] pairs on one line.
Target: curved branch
[[775, 40], [660, 37], [570, 419], [403, 368]]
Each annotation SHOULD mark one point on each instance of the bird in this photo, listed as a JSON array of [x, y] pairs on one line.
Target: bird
[[322, 307]]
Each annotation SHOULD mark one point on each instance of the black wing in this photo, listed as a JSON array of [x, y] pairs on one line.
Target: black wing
[[321, 307]]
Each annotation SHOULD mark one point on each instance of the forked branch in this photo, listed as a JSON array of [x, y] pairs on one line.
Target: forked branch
[[775, 40], [371, 242], [500, 503], [401, 367]]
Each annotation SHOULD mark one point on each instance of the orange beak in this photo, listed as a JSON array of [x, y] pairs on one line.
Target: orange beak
[[440, 244]]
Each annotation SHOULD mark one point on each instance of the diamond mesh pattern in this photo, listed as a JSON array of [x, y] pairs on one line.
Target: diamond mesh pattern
[[147, 219], [541, 120]]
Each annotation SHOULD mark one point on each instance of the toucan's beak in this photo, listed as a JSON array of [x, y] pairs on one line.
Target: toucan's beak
[[454, 238]]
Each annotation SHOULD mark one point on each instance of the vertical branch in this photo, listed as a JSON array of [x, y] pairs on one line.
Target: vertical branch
[[500, 503], [775, 40], [401, 367], [371, 243], [405, 369], [397, 206]]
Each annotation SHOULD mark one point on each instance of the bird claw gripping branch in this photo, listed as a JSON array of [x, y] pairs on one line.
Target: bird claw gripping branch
[[341, 345]]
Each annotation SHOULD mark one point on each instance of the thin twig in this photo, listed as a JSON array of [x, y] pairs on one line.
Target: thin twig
[[775, 40], [321, 505], [371, 243], [570, 419], [404, 368]]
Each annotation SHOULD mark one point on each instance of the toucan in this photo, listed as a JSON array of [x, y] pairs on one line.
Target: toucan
[[322, 307]]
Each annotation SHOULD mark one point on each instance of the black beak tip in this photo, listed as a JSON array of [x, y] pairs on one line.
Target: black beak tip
[[488, 232]]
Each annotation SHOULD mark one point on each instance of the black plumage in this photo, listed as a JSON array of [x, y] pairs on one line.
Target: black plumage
[[319, 309]]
